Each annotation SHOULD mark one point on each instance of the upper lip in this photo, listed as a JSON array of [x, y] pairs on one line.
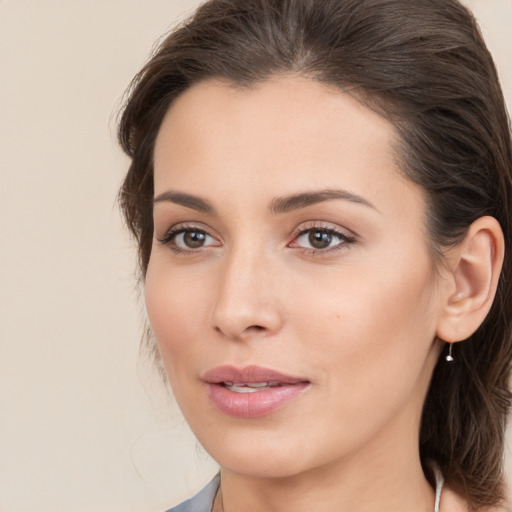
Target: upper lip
[[228, 373]]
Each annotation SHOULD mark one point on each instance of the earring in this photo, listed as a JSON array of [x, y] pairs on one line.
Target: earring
[[449, 357]]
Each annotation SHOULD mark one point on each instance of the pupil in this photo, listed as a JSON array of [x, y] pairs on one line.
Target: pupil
[[320, 239], [194, 239]]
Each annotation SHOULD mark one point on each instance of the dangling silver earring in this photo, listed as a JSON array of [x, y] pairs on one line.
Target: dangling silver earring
[[449, 357]]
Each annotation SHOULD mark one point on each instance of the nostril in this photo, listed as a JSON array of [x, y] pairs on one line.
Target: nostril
[[239, 335]]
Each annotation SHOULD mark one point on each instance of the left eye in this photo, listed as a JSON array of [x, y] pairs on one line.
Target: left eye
[[191, 239], [186, 239], [320, 238]]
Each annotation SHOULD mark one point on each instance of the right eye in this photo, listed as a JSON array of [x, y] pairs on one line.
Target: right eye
[[188, 239]]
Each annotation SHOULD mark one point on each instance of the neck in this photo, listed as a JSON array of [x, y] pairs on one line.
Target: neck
[[377, 486]]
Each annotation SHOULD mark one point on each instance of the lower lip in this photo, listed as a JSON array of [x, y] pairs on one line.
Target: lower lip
[[253, 405]]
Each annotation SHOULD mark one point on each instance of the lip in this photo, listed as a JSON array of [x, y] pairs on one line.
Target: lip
[[263, 401]]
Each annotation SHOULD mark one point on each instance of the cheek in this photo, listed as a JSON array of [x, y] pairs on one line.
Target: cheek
[[368, 339], [173, 310], [371, 321]]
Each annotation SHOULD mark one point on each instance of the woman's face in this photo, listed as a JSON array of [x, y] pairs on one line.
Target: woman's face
[[290, 287]]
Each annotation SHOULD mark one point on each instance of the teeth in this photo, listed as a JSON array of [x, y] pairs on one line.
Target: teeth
[[249, 387], [242, 389]]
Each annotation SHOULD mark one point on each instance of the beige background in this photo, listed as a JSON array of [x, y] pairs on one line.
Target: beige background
[[84, 426]]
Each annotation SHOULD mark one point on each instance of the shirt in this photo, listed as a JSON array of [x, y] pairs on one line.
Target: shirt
[[202, 501]]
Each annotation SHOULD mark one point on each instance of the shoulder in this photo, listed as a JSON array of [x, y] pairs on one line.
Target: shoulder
[[202, 501]]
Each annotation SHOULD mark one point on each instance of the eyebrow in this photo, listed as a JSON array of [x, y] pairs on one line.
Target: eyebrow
[[187, 200], [302, 200], [277, 206]]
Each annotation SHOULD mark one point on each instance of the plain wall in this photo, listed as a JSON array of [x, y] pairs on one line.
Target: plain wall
[[84, 426]]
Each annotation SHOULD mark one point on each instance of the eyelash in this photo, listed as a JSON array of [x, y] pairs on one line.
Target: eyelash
[[170, 237], [344, 239]]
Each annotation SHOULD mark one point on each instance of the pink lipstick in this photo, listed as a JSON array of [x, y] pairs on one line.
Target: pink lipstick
[[252, 391]]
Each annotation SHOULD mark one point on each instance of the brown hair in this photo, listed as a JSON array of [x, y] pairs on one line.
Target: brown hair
[[423, 65]]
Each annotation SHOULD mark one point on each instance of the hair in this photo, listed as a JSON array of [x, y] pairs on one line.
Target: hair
[[423, 65]]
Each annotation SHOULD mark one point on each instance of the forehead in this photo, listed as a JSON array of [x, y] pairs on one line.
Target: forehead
[[274, 113], [283, 135]]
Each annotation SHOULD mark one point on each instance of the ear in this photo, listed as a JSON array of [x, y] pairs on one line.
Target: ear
[[474, 269]]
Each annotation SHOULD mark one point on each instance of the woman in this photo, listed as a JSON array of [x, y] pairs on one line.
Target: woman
[[321, 194]]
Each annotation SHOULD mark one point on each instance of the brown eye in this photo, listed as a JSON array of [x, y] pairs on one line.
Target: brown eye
[[320, 239], [188, 239], [194, 239]]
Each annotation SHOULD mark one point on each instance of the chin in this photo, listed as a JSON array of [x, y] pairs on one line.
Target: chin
[[270, 467], [255, 457]]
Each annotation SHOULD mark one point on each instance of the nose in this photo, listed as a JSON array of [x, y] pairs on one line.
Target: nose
[[247, 297]]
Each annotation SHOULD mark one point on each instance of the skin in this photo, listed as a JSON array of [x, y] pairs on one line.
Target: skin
[[357, 319]]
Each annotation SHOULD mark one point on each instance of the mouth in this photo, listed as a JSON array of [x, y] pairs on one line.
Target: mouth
[[249, 387], [252, 391]]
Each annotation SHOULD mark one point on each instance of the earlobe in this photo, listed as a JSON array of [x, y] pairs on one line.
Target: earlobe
[[475, 265]]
